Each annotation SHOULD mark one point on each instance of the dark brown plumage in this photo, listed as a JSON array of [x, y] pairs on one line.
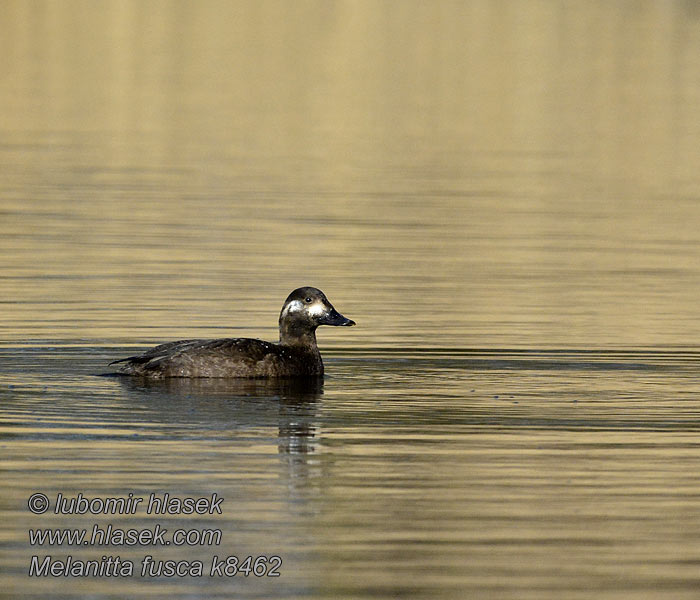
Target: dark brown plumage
[[296, 354]]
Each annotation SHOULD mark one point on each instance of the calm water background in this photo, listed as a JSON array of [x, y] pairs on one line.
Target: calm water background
[[504, 195]]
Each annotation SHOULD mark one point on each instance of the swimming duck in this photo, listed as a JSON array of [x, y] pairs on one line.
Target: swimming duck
[[296, 354]]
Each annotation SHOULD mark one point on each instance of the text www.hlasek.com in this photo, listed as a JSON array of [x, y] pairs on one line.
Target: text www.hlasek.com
[[112, 536]]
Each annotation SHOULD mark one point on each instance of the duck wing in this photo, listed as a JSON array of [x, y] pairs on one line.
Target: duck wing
[[200, 358], [162, 351]]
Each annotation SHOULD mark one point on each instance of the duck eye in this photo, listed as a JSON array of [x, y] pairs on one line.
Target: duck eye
[[308, 300]]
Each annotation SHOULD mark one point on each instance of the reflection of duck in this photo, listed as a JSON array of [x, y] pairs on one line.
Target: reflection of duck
[[234, 406], [295, 355]]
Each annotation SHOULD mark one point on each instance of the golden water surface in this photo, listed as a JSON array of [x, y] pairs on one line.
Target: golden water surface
[[504, 195]]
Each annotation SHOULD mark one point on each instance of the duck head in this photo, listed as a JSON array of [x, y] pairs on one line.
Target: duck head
[[304, 310]]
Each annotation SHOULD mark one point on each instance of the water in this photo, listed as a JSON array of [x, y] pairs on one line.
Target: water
[[504, 196]]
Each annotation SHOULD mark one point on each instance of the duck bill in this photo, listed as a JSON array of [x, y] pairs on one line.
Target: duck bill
[[335, 318]]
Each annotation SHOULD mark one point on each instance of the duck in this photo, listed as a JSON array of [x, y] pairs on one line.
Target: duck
[[295, 355]]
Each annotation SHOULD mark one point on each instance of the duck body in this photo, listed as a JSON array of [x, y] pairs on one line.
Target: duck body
[[295, 355], [225, 357]]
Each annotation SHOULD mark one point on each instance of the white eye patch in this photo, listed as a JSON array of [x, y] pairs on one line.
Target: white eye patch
[[293, 306], [317, 309]]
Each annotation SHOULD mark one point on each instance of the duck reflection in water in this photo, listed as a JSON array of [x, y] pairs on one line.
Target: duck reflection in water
[[236, 405]]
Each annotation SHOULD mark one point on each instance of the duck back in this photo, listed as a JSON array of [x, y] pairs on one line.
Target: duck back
[[226, 357]]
